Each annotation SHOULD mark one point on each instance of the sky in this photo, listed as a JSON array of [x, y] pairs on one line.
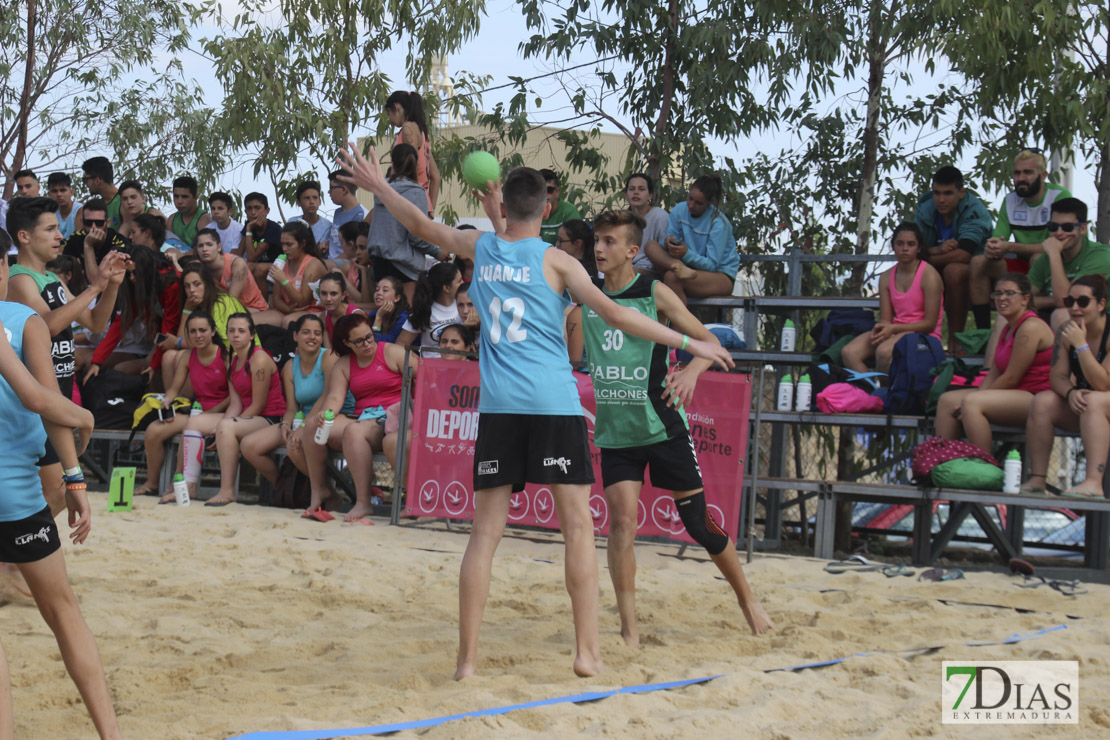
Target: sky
[[494, 52]]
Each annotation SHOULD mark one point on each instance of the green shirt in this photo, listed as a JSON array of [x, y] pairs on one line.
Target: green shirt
[[628, 375], [112, 212], [1025, 222], [1092, 259], [563, 212]]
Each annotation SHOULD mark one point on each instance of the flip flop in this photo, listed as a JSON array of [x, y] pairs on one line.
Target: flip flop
[[1081, 493], [853, 564], [147, 492], [1029, 490], [940, 574], [1067, 588], [218, 503], [321, 516], [361, 520], [892, 571], [1021, 567]]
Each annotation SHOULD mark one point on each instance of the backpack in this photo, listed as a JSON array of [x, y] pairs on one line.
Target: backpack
[[968, 472], [845, 398], [292, 489], [840, 323], [150, 410], [937, 450], [911, 373], [112, 396], [951, 374], [823, 374], [279, 342]]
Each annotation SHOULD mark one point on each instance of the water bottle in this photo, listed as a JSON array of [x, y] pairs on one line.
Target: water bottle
[[804, 394], [788, 335], [181, 490], [280, 264], [786, 393], [324, 431], [1011, 482], [197, 409], [298, 421]]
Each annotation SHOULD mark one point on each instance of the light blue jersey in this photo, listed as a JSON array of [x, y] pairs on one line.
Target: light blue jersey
[[522, 355], [22, 436]]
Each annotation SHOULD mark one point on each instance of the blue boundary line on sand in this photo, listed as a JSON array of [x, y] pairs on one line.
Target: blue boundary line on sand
[[591, 696]]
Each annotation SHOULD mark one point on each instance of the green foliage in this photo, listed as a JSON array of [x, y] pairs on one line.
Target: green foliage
[[308, 84], [100, 84]]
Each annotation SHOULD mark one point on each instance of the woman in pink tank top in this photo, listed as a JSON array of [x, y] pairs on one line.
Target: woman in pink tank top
[[334, 301], [292, 289], [372, 373], [406, 111], [204, 377], [911, 298], [1018, 370], [257, 401]]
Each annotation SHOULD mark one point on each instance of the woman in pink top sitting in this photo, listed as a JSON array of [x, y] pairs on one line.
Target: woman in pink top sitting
[[372, 372], [257, 401], [292, 291], [911, 298], [335, 302], [1019, 369]]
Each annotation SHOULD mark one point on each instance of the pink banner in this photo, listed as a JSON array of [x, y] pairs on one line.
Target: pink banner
[[445, 426]]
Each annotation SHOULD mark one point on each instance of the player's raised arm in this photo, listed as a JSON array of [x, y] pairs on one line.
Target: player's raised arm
[[367, 175], [626, 319]]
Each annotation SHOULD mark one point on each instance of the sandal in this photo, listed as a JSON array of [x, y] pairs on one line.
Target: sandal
[[1028, 488], [940, 574], [1081, 493], [854, 564]]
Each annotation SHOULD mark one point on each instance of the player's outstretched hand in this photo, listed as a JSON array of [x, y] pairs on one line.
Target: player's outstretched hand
[[711, 351], [80, 516], [359, 171], [680, 386]]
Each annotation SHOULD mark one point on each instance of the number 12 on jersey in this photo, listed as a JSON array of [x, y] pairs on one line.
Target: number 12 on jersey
[[513, 333]]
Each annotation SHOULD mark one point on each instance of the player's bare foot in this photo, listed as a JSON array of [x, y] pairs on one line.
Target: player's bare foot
[[631, 637], [358, 511], [167, 496], [684, 272], [587, 666], [222, 498], [757, 619], [464, 670]]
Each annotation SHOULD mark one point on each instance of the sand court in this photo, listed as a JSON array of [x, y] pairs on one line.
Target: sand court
[[213, 624]]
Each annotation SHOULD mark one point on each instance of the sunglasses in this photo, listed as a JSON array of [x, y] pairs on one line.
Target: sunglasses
[[551, 189], [95, 221], [1083, 301], [1066, 228]]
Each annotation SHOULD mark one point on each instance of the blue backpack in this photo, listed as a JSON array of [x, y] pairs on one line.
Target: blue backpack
[[911, 368]]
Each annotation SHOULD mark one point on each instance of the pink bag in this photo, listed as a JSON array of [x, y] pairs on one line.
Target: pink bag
[[845, 398], [936, 450]]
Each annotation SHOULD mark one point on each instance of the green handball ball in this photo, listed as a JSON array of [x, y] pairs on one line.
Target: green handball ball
[[480, 167]]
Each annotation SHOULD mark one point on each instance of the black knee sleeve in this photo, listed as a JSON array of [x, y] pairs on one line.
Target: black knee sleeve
[[700, 524]]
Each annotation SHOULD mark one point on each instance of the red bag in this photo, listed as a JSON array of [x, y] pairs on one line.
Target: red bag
[[936, 450]]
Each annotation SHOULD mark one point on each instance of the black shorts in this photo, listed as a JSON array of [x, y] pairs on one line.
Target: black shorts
[[29, 540], [673, 463], [514, 449], [49, 457], [381, 267]]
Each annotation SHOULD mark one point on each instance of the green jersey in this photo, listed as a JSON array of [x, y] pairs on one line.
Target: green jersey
[[1026, 223], [629, 376], [1091, 259], [549, 230]]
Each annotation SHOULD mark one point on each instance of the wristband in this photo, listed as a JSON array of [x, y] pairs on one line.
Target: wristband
[[1067, 396], [74, 471], [186, 311], [285, 282], [1080, 349], [685, 341], [179, 341], [72, 486]]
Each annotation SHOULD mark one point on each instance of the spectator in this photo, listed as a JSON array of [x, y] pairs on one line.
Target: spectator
[[260, 242], [92, 243], [231, 273], [910, 301], [576, 238], [148, 230], [639, 192], [459, 338], [1068, 254], [433, 306], [99, 178], [59, 187], [393, 249], [188, 219], [470, 318], [355, 257], [132, 204], [334, 301], [309, 198], [1021, 228], [698, 257], [69, 272], [372, 372], [256, 401], [561, 210], [1077, 400], [1019, 369], [348, 210], [149, 305], [204, 371], [391, 310], [27, 184], [406, 111], [293, 283], [955, 225], [221, 208]]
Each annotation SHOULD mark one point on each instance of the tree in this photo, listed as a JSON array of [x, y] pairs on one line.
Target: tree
[[78, 79], [302, 88]]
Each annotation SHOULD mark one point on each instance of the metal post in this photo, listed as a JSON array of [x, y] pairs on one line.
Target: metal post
[[747, 503], [402, 430]]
